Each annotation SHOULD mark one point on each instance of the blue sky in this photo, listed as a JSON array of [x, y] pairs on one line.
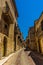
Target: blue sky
[[28, 11]]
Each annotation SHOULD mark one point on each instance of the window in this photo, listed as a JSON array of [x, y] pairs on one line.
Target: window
[[6, 29], [20, 40], [5, 26], [18, 37]]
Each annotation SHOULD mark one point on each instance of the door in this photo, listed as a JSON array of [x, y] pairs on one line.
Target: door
[[5, 46], [39, 45]]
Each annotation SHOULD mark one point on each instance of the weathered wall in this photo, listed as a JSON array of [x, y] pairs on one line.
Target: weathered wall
[[38, 34], [41, 45], [9, 45]]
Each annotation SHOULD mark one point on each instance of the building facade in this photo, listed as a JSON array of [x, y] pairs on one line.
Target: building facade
[[31, 36], [27, 42], [39, 33], [35, 35], [19, 39], [8, 15]]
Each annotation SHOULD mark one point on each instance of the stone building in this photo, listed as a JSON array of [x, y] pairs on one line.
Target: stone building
[[8, 15], [27, 41], [39, 33], [19, 39], [31, 33], [35, 36]]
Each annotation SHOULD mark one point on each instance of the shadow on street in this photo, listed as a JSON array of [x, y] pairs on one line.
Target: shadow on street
[[37, 58]]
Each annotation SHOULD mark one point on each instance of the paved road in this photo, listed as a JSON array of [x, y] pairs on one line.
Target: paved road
[[24, 59]]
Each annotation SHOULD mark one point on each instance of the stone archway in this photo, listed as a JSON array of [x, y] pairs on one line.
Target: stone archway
[[5, 46]]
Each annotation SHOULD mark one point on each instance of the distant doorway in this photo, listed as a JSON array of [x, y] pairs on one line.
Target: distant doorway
[[5, 46], [39, 46]]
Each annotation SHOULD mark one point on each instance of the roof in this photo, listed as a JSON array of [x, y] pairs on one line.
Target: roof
[[36, 21]]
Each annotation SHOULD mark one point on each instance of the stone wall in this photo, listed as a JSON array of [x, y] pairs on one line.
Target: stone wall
[[9, 45]]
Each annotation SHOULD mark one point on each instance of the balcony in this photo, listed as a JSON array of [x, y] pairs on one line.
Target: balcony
[[7, 13]]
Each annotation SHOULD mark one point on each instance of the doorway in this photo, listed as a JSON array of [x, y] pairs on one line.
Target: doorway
[[5, 46], [39, 45]]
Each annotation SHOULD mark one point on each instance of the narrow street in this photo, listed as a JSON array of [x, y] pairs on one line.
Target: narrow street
[[21, 32], [29, 58], [24, 59]]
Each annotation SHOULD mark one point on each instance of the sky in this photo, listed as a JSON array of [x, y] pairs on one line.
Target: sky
[[28, 11]]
